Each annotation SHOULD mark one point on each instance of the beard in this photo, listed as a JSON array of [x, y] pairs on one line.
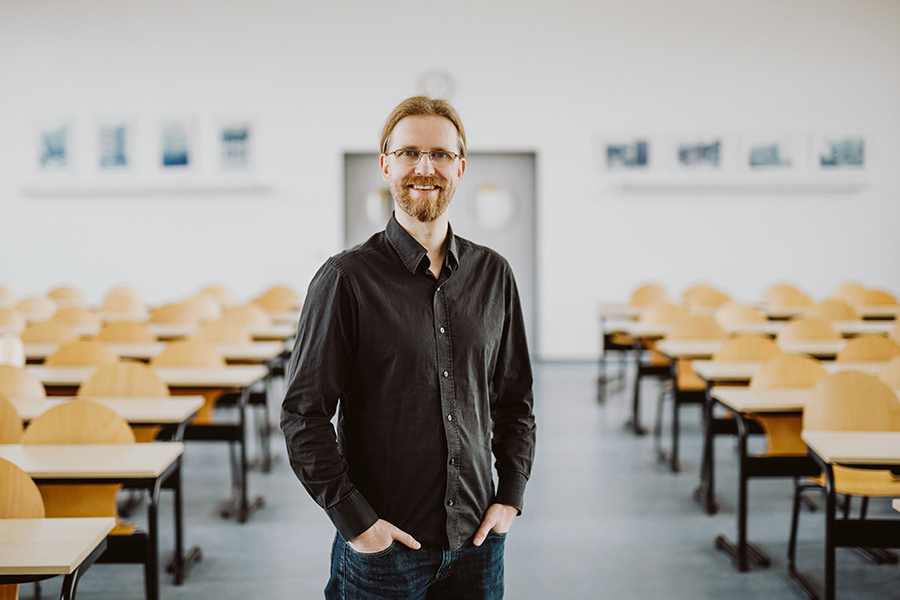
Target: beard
[[424, 210]]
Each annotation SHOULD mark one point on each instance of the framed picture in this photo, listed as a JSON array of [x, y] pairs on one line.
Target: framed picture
[[626, 153], [842, 152], [772, 152], [236, 145], [698, 153], [116, 145], [56, 146], [177, 150]]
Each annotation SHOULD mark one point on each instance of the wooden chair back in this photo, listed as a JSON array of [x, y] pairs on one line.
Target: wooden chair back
[[848, 291], [10, 423], [123, 379], [124, 299], [876, 298], [220, 293], [704, 296], [732, 313], [75, 315], [869, 347], [832, 310], [66, 295], [852, 401], [126, 331], [891, 372], [206, 307], [19, 496], [695, 327], [49, 332], [249, 315], [81, 422], [12, 350], [40, 307], [785, 295], [178, 313], [16, 382], [806, 328], [748, 347], [12, 319], [82, 353], [662, 313], [788, 370], [8, 296], [648, 295], [188, 353], [278, 298], [222, 332]]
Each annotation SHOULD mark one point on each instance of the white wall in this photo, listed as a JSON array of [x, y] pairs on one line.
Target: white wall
[[552, 77]]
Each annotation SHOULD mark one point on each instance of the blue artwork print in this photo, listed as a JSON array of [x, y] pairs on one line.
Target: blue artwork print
[[113, 146], [692, 155], [175, 145], [634, 155], [847, 152], [768, 156], [236, 147], [54, 149]]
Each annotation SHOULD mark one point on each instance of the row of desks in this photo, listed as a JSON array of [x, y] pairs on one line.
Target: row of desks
[[623, 310], [252, 352], [172, 331]]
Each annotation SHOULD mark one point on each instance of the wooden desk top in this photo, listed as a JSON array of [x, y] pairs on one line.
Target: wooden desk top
[[49, 546], [231, 376], [896, 504], [158, 411], [251, 352], [884, 311], [617, 310], [746, 400], [278, 331], [855, 447], [737, 371], [707, 348], [845, 328], [93, 461]]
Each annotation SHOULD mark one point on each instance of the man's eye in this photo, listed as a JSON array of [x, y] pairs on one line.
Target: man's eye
[[440, 154], [409, 153]]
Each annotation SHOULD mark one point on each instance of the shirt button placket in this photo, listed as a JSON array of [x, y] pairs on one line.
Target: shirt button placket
[[445, 370]]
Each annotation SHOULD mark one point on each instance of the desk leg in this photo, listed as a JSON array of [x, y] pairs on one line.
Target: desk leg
[[830, 511], [635, 422], [179, 564], [240, 504], [706, 492], [151, 564], [70, 581]]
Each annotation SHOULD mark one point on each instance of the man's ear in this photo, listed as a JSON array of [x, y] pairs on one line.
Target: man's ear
[[384, 164]]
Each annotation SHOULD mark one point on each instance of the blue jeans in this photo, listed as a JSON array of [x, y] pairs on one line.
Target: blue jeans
[[401, 573]]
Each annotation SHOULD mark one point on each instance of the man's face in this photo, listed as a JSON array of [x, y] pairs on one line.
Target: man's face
[[423, 191]]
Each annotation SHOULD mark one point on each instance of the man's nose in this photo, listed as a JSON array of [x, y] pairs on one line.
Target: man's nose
[[425, 166]]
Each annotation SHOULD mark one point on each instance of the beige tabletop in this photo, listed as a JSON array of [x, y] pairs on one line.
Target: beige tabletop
[[164, 410], [883, 311], [855, 447], [231, 376], [249, 352], [93, 461], [845, 328], [169, 331], [49, 546], [735, 371], [617, 310], [747, 400], [707, 348], [896, 504]]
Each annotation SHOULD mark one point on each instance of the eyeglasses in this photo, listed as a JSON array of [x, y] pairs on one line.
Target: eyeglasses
[[411, 156]]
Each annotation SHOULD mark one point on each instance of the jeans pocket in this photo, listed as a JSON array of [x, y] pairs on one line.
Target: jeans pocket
[[372, 555], [497, 534]]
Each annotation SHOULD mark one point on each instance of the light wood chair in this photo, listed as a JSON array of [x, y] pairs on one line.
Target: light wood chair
[[748, 347], [687, 387], [126, 379], [849, 401], [10, 423], [832, 310], [849, 291], [891, 372], [67, 296], [19, 499], [734, 314], [74, 315], [701, 296], [176, 313], [17, 382], [278, 298], [894, 333], [805, 328], [221, 293], [876, 298], [194, 353], [82, 353], [785, 371], [869, 347], [649, 294], [8, 296], [206, 307], [13, 320], [39, 308], [782, 294], [49, 332], [81, 422], [249, 315], [12, 350], [222, 332], [126, 331]]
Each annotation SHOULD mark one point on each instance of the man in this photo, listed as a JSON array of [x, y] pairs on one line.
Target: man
[[418, 336]]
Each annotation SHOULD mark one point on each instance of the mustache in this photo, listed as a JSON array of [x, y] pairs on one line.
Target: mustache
[[427, 180]]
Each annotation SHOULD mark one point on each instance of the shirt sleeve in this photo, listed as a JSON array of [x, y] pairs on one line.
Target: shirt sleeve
[[512, 404], [319, 369]]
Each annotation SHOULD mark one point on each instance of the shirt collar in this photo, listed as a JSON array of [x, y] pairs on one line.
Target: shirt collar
[[411, 252]]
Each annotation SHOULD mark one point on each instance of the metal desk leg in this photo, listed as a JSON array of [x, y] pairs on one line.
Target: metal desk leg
[[70, 581], [240, 504], [706, 492], [179, 563]]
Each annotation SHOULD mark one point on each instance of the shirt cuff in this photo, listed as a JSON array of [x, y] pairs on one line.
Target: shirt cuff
[[352, 515], [511, 489]]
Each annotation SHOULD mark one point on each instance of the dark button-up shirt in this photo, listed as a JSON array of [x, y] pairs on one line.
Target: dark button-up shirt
[[432, 376]]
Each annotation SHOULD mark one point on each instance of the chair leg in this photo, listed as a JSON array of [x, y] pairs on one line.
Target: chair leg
[[792, 541]]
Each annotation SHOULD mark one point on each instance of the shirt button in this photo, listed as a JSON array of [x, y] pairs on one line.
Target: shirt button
[[450, 503], [442, 330], [453, 462], [439, 289], [446, 373], [449, 417]]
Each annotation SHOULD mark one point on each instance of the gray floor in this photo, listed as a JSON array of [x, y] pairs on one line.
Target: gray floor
[[603, 519]]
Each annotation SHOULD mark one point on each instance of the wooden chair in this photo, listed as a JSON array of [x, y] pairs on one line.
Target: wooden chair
[[82, 353], [869, 347], [39, 308], [894, 333], [81, 422], [891, 372], [125, 300], [249, 315], [8, 296], [222, 332], [67, 296], [785, 371], [193, 353], [849, 401], [10, 423], [124, 379], [12, 350], [49, 332], [126, 331], [876, 298], [206, 307], [179, 313], [782, 294], [278, 298], [687, 387], [220, 293], [848, 292], [19, 499], [13, 320], [17, 382], [832, 310], [74, 315], [805, 328], [702, 296], [733, 314], [649, 294], [748, 347]]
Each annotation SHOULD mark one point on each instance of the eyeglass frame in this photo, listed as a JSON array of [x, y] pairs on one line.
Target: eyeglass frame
[[422, 153]]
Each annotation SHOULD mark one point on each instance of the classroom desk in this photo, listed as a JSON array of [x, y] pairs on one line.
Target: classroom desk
[[740, 373], [704, 349], [743, 403], [38, 549], [873, 311], [880, 450], [274, 332], [896, 504], [145, 466], [772, 328], [188, 381], [252, 352]]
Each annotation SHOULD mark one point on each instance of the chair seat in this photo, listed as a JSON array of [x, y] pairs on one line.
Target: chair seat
[[863, 482]]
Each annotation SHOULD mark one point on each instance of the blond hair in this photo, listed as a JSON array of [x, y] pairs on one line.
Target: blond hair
[[423, 106]]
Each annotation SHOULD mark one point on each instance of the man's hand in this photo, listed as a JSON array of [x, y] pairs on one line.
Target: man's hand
[[499, 517], [379, 536]]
